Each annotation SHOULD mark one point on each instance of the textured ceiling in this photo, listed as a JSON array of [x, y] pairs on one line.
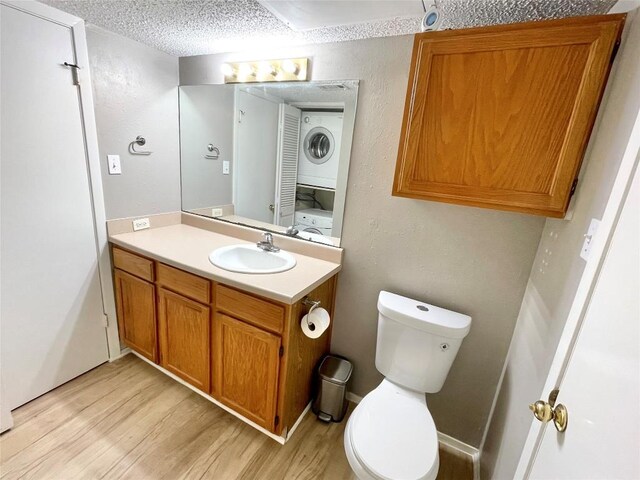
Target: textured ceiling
[[195, 27]]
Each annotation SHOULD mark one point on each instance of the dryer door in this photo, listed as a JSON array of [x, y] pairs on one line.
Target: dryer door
[[319, 145]]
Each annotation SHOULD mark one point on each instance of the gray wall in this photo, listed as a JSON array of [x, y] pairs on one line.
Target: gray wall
[[206, 116], [135, 93], [467, 259], [558, 267]]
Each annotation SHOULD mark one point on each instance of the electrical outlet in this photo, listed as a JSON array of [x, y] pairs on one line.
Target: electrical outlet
[[141, 224], [216, 212], [225, 167], [114, 164]]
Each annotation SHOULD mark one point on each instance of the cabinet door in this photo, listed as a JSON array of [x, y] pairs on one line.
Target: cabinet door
[[185, 337], [136, 306], [246, 365], [499, 117]]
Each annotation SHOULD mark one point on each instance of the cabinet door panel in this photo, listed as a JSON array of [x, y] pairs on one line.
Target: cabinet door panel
[[246, 365], [136, 306], [185, 338], [500, 116]]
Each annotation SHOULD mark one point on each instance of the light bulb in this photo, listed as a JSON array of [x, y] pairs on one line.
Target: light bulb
[[245, 70], [290, 67], [266, 69], [227, 70]]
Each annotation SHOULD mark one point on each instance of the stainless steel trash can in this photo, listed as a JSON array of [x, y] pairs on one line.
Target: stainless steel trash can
[[333, 380]]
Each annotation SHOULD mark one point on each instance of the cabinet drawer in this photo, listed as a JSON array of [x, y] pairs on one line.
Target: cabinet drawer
[[256, 311], [187, 284], [134, 264]]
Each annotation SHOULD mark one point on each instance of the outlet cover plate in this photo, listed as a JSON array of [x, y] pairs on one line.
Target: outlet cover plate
[[141, 224], [588, 238]]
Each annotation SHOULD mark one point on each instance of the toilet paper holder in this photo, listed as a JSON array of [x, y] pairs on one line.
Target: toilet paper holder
[[310, 303]]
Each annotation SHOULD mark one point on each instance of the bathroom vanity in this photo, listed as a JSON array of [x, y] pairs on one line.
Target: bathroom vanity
[[235, 338]]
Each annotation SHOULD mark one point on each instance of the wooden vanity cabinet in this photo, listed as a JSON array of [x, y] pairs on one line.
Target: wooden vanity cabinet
[[136, 309], [184, 329], [184, 325], [263, 365], [247, 364], [247, 351], [499, 117]]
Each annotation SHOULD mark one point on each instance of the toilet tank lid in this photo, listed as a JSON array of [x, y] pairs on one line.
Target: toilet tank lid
[[424, 316]]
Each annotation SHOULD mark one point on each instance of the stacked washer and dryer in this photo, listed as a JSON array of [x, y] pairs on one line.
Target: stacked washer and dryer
[[318, 162]]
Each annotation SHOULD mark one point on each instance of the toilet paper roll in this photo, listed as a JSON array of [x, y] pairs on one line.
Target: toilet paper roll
[[315, 323]]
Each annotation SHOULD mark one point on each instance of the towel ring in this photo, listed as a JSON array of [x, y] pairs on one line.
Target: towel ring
[[140, 140]]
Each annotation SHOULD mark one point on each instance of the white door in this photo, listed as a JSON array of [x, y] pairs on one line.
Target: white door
[[256, 150], [51, 315], [601, 386], [601, 383], [287, 164]]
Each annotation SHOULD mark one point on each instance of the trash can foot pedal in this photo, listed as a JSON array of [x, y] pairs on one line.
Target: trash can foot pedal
[[324, 417]]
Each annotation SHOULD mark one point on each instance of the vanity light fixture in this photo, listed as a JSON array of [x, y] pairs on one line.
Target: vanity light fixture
[[284, 70]]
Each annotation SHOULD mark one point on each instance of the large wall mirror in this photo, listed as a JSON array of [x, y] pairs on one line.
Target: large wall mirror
[[270, 156]]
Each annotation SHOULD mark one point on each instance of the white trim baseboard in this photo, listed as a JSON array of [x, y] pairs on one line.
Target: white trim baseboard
[[455, 444], [352, 397], [123, 353]]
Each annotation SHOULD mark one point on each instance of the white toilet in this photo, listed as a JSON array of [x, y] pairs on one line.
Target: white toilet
[[391, 435]]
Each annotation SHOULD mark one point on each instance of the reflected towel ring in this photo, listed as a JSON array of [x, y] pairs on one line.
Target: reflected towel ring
[[140, 140], [215, 152]]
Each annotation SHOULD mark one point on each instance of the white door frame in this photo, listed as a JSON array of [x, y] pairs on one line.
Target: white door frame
[[87, 115], [592, 269]]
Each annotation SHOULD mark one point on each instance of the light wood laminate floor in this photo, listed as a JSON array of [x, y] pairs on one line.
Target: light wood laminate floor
[[127, 420]]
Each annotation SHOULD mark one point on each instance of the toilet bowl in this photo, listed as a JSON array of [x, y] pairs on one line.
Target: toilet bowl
[[391, 434]]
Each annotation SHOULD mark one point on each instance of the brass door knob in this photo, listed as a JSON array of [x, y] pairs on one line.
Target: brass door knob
[[542, 411], [546, 411]]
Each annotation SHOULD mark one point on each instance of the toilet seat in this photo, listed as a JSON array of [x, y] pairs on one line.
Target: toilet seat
[[392, 435]]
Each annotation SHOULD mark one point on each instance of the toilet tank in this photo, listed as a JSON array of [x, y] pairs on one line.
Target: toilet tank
[[417, 342]]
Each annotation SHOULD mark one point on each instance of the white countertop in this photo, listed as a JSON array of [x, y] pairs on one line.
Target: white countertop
[[188, 248]]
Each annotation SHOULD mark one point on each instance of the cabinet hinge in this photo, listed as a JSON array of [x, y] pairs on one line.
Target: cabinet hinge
[[276, 421], [281, 352], [573, 187], [105, 320], [616, 47]]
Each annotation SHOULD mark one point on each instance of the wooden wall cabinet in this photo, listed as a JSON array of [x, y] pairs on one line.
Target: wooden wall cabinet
[[245, 350], [499, 117]]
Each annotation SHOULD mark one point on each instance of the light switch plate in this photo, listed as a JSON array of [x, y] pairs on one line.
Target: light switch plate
[[588, 238], [225, 167], [216, 212], [114, 164], [141, 224]]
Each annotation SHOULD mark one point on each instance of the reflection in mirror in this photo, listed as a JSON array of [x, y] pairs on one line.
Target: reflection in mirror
[[270, 156]]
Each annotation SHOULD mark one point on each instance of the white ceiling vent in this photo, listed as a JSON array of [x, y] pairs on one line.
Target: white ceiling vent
[[302, 15]]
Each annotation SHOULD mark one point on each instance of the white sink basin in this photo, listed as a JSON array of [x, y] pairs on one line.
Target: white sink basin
[[251, 259]]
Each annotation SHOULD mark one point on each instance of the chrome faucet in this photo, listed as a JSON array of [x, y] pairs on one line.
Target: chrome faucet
[[266, 243]]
